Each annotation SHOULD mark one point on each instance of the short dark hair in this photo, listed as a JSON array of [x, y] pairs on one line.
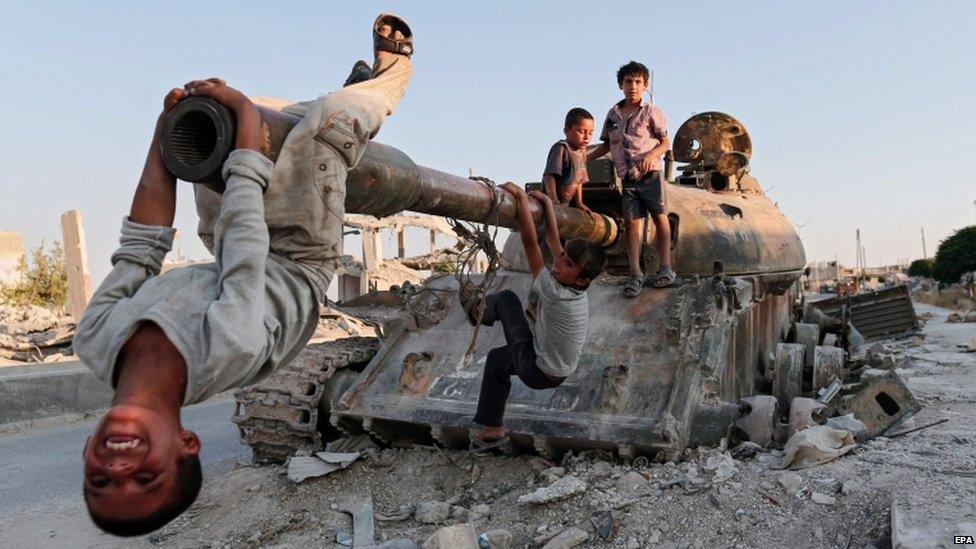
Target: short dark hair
[[577, 115], [189, 478], [589, 256], [633, 69]]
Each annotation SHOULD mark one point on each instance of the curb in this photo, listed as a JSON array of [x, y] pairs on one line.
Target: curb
[[37, 391]]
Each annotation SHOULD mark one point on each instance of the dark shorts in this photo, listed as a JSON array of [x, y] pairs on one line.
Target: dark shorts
[[646, 196]]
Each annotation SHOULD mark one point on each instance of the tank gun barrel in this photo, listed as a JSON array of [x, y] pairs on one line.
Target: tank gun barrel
[[199, 134]]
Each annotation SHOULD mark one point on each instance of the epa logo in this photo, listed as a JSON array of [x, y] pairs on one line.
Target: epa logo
[[963, 540]]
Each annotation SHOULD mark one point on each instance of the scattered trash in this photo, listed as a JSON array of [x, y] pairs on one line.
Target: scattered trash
[[363, 529], [301, 468], [848, 423], [816, 445], [603, 523], [926, 426]]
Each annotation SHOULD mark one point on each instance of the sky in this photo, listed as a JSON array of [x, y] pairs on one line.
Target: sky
[[860, 112]]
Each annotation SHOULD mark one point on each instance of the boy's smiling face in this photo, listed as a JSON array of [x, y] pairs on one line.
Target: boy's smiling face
[[130, 462], [633, 87], [579, 134]]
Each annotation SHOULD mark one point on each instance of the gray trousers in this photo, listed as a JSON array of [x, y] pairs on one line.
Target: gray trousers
[[305, 203]]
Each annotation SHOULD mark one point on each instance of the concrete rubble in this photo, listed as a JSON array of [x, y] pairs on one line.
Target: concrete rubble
[[34, 334]]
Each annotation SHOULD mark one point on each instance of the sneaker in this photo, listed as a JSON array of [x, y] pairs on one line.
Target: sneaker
[[361, 72]]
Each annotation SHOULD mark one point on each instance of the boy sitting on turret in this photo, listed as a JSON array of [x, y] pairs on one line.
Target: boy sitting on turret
[[566, 164], [543, 348]]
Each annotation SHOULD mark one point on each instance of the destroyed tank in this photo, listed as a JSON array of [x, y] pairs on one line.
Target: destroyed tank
[[670, 369]]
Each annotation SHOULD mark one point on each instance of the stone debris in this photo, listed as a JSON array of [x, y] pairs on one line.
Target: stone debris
[[563, 488], [790, 481], [432, 512], [567, 539], [499, 538], [822, 499], [631, 482], [459, 536]]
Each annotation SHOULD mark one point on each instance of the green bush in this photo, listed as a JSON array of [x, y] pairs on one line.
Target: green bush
[[920, 267], [956, 256], [43, 282]]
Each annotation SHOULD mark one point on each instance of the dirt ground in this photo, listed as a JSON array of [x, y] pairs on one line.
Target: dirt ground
[[931, 472]]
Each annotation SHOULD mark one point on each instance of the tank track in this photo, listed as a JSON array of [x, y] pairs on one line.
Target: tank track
[[281, 414]]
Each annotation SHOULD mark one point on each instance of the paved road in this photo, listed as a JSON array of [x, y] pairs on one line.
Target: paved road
[[42, 467]]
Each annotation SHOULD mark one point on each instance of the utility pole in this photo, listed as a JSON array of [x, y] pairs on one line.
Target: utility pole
[[925, 254]]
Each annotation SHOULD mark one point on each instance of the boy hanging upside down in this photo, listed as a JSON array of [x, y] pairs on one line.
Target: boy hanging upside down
[[543, 349], [167, 341]]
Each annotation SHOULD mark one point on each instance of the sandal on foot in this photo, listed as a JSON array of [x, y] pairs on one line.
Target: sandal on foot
[[471, 301], [479, 446], [664, 277], [633, 286], [392, 34]]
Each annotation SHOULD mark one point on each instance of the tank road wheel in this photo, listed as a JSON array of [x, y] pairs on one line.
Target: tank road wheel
[[760, 418], [285, 412], [807, 335], [828, 363], [788, 372]]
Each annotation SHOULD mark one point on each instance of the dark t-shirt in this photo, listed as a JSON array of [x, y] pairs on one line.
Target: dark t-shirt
[[569, 169]]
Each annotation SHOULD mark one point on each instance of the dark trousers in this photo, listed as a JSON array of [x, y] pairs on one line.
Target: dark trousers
[[516, 357]]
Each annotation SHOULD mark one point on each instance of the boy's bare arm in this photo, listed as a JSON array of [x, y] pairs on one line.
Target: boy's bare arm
[[549, 183], [552, 229], [527, 228], [154, 202], [579, 199], [600, 150]]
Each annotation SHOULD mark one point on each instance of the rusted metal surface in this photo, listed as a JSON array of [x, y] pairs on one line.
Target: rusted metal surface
[[884, 402], [385, 182], [759, 420], [828, 365], [658, 373], [650, 379], [280, 415], [746, 231], [788, 371], [806, 412], [876, 315], [704, 138]]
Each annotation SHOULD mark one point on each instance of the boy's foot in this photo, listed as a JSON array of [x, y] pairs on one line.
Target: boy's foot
[[664, 277], [480, 446], [392, 35], [634, 285], [361, 72], [471, 302]]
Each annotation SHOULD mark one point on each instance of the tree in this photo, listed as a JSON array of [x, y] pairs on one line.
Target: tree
[[921, 267], [956, 256], [44, 282]]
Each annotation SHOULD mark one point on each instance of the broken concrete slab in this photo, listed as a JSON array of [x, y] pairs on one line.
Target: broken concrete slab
[[563, 488], [916, 526]]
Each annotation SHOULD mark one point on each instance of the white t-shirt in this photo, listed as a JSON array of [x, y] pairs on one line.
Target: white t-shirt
[[559, 328]]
